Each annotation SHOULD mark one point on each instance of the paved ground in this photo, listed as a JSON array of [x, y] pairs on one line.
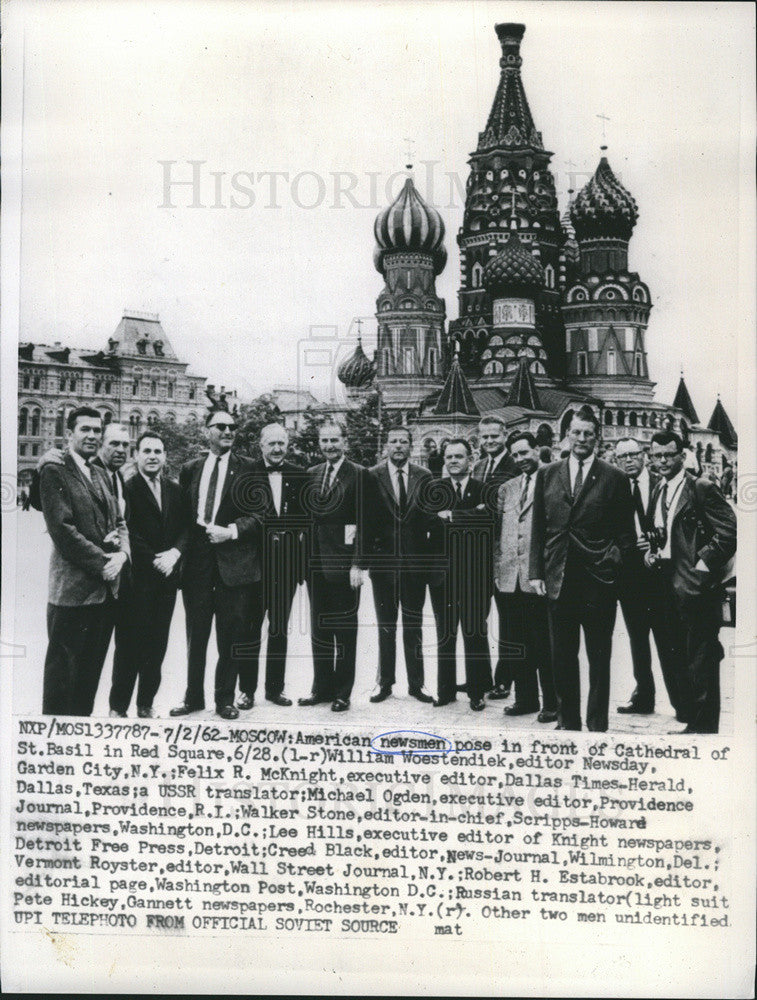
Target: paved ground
[[398, 712]]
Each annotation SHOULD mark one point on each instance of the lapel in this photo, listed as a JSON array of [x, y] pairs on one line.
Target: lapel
[[684, 500], [270, 503], [231, 471], [151, 496], [385, 481], [196, 477], [413, 479], [529, 502], [588, 483], [564, 474], [94, 492]]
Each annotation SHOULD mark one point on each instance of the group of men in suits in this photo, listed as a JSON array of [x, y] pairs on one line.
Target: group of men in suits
[[556, 546]]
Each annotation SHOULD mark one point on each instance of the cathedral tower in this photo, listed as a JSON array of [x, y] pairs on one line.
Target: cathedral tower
[[510, 187]]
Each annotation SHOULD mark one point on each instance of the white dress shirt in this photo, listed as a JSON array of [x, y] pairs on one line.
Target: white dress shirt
[[672, 498], [573, 469], [82, 463], [334, 470], [495, 460], [154, 487], [275, 482], [207, 469], [394, 476], [463, 484]]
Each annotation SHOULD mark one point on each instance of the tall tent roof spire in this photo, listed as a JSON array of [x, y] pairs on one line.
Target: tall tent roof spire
[[510, 123], [683, 402], [720, 422], [456, 396], [523, 389]]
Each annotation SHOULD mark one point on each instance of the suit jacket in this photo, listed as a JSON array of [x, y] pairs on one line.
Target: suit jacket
[[336, 520], [393, 541], [154, 529], [703, 527], [79, 513], [596, 527], [512, 551], [282, 531], [464, 545], [634, 568], [238, 560], [35, 498]]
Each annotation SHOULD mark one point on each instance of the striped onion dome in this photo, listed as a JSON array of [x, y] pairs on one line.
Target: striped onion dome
[[408, 225], [357, 370], [514, 269], [603, 207]]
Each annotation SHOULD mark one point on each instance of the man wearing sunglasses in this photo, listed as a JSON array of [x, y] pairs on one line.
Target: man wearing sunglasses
[[222, 572]]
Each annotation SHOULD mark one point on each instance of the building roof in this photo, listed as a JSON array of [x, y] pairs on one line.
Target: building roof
[[293, 400], [456, 396], [141, 335], [720, 423], [356, 371], [510, 124], [523, 389], [514, 269], [409, 224], [683, 402], [603, 207], [66, 357]]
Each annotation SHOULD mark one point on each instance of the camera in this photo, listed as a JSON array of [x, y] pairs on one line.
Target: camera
[[657, 536]]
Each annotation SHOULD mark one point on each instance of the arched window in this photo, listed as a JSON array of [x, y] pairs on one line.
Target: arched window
[[545, 435], [637, 365], [621, 418], [652, 419], [23, 421], [611, 364], [477, 272], [549, 276], [582, 365], [35, 422], [60, 422], [98, 385], [708, 453], [27, 380], [644, 419], [608, 418], [632, 419], [192, 388], [107, 417], [565, 422], [493, 368]]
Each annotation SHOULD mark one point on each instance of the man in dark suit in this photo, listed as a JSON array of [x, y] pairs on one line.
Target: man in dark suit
[[582, 532], [397, 552], [636, 586], [695, 542], [336, 507], [463, 542], [90, 550], [279, 488], [494, 468], [158, 534], [222, 572], [524, 611]]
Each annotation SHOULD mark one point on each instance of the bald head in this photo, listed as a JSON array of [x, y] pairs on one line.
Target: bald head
[[114, 449], [274, 441]]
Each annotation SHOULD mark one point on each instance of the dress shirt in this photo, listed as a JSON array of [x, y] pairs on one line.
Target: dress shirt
[[644, 489], [672, 499], [394, 476], [463, 485], [82, 463], [334, 470], [573, 469], [154, 486], [531, 482], [207, 469], [495, 460], [275, 482]]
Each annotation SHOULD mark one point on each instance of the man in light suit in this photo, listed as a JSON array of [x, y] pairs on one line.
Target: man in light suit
[[636, 591], [397, 551], [695, 542], [582, 531], [158, 534], [90, 550], [495, 467], [463, 542], [524, 611], [222, 572], [279, 487], [336, 502]]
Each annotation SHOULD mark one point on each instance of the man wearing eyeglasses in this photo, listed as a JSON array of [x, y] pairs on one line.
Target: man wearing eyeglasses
[[692, 546], [222, 572]]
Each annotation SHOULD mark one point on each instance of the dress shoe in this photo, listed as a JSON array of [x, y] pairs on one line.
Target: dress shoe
[[499, 692], [477, 704], [636, 708], [420, 695], [145, 712], [681, 716], [381, 695], [340, 705], [681, 732], [113, 714], [184, 709], [517, 709], [441, 702], [227, 712], [246, 701], [312, 699], [546, 716], [279, 699]]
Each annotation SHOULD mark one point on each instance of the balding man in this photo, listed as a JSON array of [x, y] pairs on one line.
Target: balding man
[[277, 494]]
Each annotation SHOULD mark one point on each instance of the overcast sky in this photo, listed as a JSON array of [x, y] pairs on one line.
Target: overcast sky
[[112, 91]]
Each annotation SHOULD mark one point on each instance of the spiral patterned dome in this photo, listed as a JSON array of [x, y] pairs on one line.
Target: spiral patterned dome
[[514, 269], [357, 370], [603, 207], [409, 224]]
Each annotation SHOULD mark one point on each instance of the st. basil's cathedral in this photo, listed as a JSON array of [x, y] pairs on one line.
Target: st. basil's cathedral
[[550, 316]]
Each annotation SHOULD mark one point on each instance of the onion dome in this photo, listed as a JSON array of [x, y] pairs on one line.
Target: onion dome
[[514, 269], [603, 207], [357, 371], [409, 225]]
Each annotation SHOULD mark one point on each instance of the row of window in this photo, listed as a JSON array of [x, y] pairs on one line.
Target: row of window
[[70, 383], [582, 364]]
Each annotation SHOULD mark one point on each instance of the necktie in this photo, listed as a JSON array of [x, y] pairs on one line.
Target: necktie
[[327, 479], [155, 486], [459, 492], [489, 467], [524, 491], [210, 499], [579, 478], [115, 484], [638, 502], [403, 491], [664, 502]]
